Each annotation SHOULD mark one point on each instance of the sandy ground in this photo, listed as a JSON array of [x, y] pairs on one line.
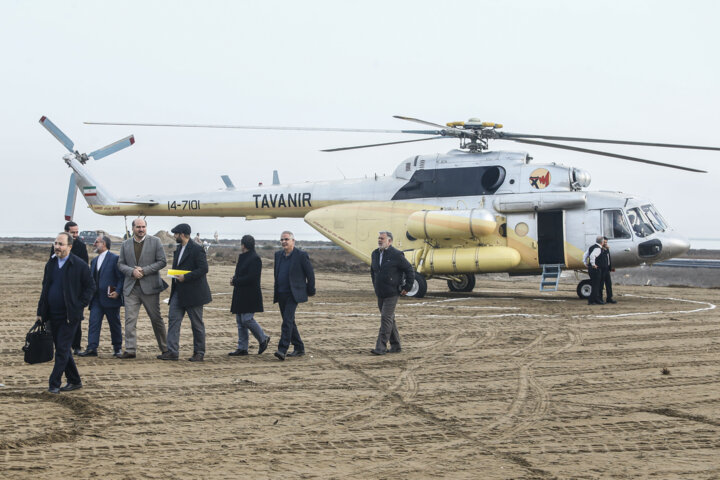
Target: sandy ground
[[505, 382]]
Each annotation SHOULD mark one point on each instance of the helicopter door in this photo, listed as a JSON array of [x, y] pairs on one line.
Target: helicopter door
[[551, 238]]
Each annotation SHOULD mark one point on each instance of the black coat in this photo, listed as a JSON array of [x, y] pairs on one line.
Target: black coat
[[395, 273], [247, 296], [78, 288], [302, 276], [194, 291]]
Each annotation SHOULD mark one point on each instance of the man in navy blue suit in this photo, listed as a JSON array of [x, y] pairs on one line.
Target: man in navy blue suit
[[294, 283], [66, 290], [107, 300]]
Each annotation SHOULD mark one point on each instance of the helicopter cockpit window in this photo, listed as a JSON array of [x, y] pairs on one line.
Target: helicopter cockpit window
[[638, 222], [654, 217], [615, 225]]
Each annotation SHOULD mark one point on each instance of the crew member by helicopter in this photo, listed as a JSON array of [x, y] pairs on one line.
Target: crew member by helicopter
[[597, 262]]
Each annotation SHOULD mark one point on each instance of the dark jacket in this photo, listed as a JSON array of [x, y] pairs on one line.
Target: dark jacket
[[194, 291], [247, 296], [302, 276], [395, 273], [78, 248], [109, 275], [78, 288]]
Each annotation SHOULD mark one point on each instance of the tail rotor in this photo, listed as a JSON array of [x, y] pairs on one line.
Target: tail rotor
[[82, 158]]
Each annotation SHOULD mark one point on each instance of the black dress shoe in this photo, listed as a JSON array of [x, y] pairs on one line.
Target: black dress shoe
[[54, 390], [395, 350], [88, 353], [238, 353], [375, 351], [599, 302], [167, 356], [264, 345], [76, 351], [197, 357], [280, 356], [295, 353], [125, 355], [69, 387], [117, 354], [610, 300]]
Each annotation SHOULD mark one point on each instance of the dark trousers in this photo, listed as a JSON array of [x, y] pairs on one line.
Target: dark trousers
[[97, 312], [289, 332], [77, 338], [63, 334], [388, 328], [596, 283], [607, 281]]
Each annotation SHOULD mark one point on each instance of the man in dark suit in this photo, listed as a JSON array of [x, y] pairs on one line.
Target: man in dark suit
[[392, 275], [247, 297], [294, 283], [190, 291], [80, 249], [107, 300], [66, 290]]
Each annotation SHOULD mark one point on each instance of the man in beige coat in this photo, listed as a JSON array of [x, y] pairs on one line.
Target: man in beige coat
[[141, 259]]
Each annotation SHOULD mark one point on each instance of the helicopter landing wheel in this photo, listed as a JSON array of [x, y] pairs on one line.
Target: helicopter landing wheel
[[465, 283], [584, 289], [419, 288]]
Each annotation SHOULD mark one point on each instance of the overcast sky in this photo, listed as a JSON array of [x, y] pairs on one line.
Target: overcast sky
[[632, 70]]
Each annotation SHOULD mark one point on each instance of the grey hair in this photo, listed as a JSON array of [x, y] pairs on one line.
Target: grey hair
[[106, 240], [600, 239], [385, 232], [288, 232]]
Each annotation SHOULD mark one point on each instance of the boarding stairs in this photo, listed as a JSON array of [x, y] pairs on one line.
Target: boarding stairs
[[550, 278]]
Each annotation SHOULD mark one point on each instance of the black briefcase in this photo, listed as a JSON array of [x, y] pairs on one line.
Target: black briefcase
[[38, 344]]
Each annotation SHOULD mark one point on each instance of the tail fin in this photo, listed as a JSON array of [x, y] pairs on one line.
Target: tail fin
[[92, 191]]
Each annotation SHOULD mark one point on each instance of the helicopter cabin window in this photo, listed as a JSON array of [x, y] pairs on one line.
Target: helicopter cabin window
[[639, 223], [654, 217], [615, 225]]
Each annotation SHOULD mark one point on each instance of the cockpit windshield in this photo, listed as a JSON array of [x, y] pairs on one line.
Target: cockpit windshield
[[655, 218], [639, 223]]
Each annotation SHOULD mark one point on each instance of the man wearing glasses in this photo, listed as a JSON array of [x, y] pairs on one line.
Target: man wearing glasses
[[66, 290], [294, 283]]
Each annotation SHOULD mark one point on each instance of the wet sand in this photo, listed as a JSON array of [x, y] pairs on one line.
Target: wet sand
[[504, 382]]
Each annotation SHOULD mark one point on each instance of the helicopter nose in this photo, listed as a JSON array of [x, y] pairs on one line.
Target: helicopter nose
[[674, 246]]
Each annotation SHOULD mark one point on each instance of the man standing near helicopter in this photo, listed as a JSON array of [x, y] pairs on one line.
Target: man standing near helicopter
[[598, 262], [388, 268]]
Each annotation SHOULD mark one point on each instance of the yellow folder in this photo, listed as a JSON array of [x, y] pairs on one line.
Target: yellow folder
[[175, 273]]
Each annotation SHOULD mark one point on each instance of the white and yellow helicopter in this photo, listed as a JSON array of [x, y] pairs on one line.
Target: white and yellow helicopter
[[454, 215]]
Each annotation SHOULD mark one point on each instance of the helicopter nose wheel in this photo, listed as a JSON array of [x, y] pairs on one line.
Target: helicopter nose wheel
[[584, 289], [419, 288]]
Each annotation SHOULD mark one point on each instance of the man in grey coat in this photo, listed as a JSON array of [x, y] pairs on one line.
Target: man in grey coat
[[141, 259]]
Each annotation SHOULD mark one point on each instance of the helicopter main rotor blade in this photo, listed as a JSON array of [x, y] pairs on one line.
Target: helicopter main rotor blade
[[380, 144], [417, 120], [509, 136], [261, 127], [606, 154]]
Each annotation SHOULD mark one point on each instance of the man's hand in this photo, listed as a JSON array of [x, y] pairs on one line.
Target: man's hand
[[180, 278], [113, 295], [138, 273], [403, 293]]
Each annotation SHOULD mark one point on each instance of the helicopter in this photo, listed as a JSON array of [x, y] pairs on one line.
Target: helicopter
[[455, 215]]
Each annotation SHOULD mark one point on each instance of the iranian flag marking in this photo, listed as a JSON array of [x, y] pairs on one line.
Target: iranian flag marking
[[90, 191]]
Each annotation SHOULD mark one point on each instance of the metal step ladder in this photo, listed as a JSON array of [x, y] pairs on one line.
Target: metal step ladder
[[550, 278]]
